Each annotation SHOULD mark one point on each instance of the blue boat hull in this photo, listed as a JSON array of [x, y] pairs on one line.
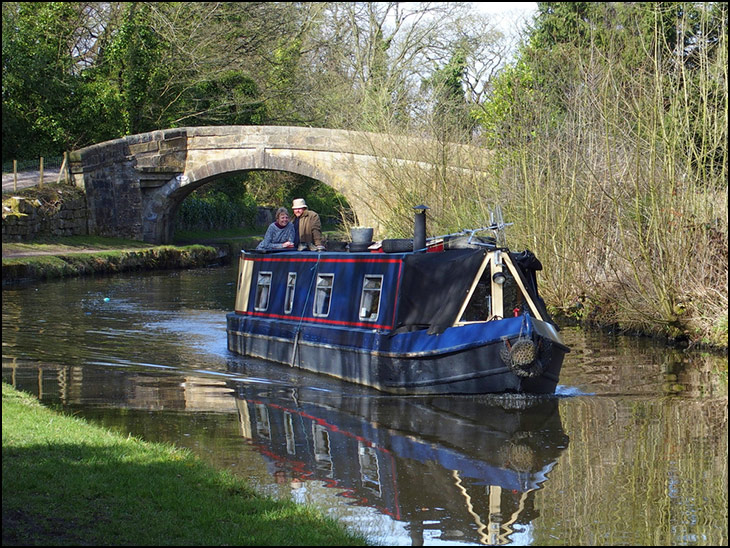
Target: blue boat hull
[[474, 358]]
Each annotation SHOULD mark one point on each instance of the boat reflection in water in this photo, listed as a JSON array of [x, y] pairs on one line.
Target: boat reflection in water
[[464, 469]]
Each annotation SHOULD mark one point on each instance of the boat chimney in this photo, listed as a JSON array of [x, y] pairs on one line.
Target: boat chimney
[[419, 228]]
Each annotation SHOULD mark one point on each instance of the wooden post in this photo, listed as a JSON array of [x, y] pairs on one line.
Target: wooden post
[[497, 294], [40, 182], [15, 175], [60, 171]]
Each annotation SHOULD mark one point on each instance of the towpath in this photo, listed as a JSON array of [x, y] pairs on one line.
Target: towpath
[[29, 178]]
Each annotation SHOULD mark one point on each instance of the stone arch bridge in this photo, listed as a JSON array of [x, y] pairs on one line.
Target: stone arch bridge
[[134, 185]]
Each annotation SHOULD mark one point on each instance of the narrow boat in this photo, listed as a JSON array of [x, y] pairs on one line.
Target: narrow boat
[[459, 314]]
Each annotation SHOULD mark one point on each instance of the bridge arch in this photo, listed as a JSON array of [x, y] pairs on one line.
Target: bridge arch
[[161, 205], [134, 185]]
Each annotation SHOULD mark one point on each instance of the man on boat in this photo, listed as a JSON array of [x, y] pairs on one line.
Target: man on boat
[[307, 227]]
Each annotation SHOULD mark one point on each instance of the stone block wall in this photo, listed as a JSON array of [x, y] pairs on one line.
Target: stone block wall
[[26, 218]]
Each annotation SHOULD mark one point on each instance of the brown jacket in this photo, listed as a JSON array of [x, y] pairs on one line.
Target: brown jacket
[[310, 229]]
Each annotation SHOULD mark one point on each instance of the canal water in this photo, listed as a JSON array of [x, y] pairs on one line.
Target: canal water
[[632, 450]]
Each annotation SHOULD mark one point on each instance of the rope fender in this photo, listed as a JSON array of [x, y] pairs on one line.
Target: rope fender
[[524, 357]]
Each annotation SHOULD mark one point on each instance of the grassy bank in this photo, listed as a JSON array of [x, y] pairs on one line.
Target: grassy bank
[[83, 255], [66, 482]]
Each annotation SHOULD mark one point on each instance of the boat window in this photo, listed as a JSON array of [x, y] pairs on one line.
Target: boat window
[[263, 290], [291, 442], [511, 296], [323, 295], [291, 283], [263, 424], [370, 298], [480, 304], [322, 452], [369, 470]]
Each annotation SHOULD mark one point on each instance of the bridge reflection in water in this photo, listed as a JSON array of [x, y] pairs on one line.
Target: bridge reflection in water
[[456, 469]]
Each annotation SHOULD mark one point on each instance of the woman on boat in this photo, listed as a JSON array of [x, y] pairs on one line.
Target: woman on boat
[[280, 234]]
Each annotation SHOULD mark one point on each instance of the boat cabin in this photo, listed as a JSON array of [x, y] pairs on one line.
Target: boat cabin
[[393, 292]]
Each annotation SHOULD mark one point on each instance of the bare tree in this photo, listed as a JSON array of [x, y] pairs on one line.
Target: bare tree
[[371, 58]]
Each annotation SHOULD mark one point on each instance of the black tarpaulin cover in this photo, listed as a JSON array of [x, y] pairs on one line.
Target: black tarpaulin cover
[[434, 286], [527, 265]]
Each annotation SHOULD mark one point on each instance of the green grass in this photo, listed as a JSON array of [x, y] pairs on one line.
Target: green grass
[[67, 482], [73, 244], [83, 255]]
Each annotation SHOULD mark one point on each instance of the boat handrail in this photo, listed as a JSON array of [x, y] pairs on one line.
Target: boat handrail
[[471, 232]]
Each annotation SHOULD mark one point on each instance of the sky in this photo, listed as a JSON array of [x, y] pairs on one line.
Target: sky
[[510, 12], [507, 7]]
